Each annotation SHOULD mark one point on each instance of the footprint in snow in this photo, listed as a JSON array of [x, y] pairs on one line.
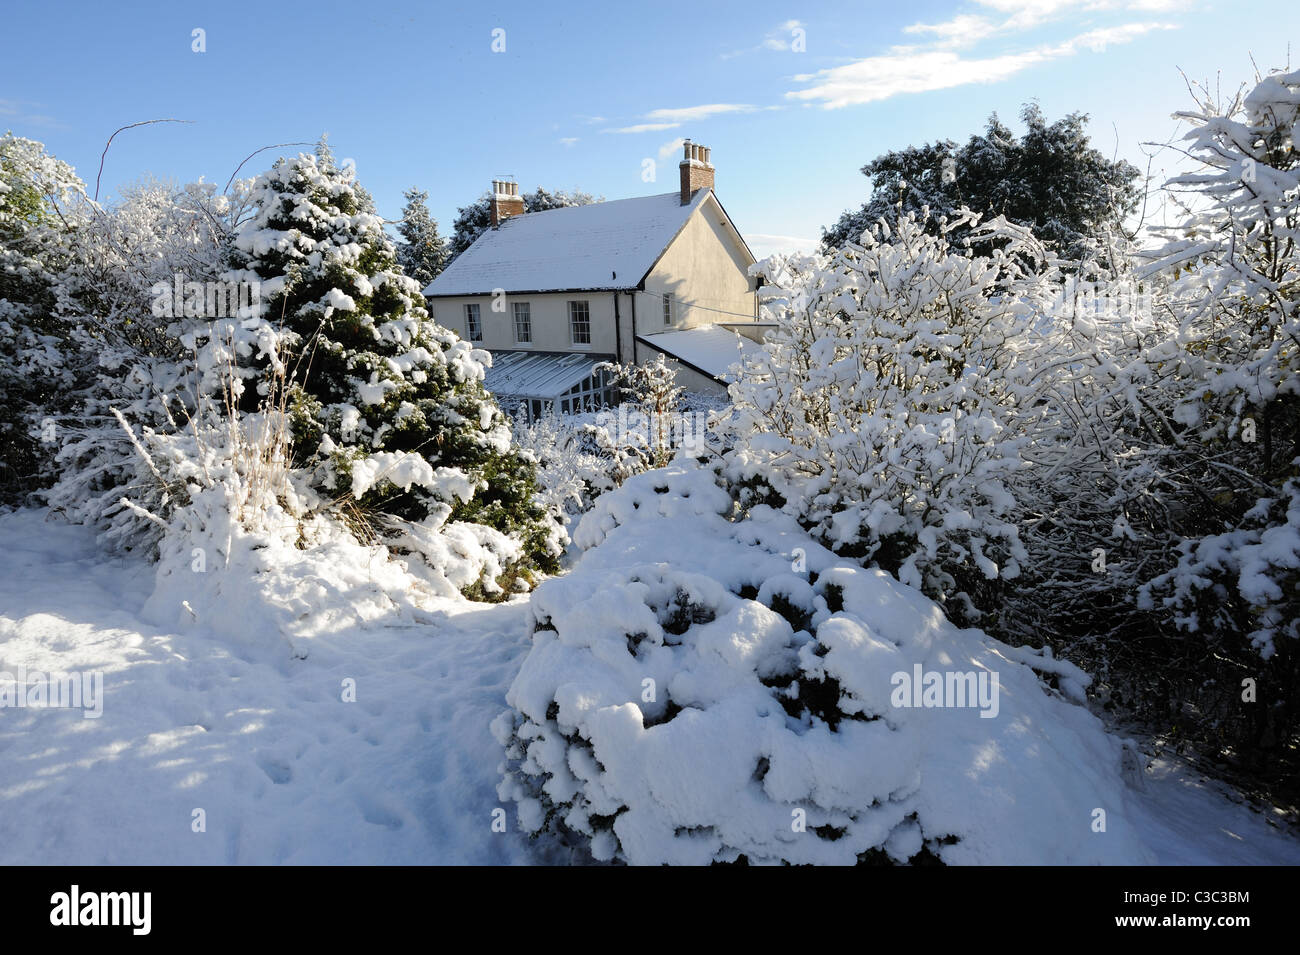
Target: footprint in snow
[[378, 815], [277, 770]]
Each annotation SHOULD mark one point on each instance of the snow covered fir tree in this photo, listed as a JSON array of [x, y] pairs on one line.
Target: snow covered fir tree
[[423, 252], [587, 531], [386, 407]]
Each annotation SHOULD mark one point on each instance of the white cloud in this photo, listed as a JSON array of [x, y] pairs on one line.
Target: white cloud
[[568, 140], [690, 114], [912, 70], [780, 37], [642, 128], [1098, 40], [661, 119], [1025, 13], [960, 31], [1019, 15], [670, 147]]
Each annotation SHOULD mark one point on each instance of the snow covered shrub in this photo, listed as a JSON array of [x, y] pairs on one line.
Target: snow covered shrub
[[245, 456], [388, 409], [150, 365], [1159, 514], [1236, 297], [887, 412], [35, 373], [1089, 507], [704, 689], [653, 388], [577, 461], [251, 555], [581, 456]]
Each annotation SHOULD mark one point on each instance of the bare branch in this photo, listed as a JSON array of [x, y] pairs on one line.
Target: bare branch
[[147, 122], [254, 153]]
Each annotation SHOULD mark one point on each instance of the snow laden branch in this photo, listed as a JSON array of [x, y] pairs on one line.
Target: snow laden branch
[[1234, 273]]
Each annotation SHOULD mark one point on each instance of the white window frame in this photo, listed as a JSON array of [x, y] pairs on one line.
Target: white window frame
[[669, 308], [473, 322], [515, 308], [576, 305], [590, 394]]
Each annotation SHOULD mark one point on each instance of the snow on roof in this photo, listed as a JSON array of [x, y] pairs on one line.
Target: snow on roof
[[520, 374], [604, 245], [710, 348]]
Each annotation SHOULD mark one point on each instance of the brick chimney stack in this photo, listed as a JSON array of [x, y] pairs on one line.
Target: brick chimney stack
[[697, 171], [505, 202]]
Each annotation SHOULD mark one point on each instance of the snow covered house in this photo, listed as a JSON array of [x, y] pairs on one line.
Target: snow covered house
[[553, 294]]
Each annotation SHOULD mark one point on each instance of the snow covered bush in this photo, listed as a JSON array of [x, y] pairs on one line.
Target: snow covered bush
[[706, 688], [1159, 512], [888, 410], [35, 373], [577, 461], [651, 387], [1089, 506], [581, 456], [1236, 297], [134, 358]]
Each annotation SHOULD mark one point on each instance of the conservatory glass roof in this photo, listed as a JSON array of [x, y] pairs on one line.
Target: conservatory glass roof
[[520, 374]]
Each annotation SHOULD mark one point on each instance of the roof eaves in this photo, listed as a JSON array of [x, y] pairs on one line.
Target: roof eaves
[[536, 291]]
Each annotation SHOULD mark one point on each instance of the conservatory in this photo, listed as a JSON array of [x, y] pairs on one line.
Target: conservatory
[[529, 385]]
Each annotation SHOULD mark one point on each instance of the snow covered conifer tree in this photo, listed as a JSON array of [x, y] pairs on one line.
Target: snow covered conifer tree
[[423, 254], [387, 408]]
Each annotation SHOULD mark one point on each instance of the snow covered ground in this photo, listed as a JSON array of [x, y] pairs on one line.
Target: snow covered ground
[[285, 771]]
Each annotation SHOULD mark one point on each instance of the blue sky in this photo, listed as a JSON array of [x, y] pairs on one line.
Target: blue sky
[[584, 93]]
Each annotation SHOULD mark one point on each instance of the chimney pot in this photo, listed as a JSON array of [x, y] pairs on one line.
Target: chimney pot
[[696, 170], [504, 202]]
